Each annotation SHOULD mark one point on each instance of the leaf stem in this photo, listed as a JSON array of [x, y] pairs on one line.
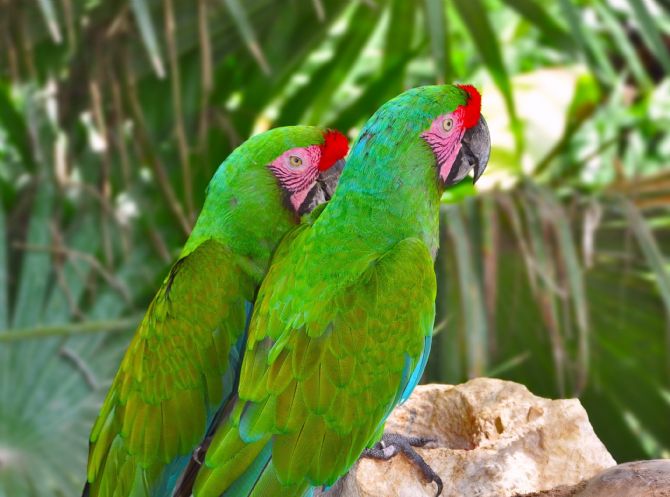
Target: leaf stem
[[19, 334]]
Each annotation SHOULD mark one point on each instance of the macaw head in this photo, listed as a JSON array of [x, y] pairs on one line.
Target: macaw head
[[426, 132], [266, 184], [458, 136], [291, 168], [308, 174]]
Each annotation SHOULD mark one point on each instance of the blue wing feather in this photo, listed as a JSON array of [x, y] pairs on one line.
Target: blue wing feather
[[418, 370]]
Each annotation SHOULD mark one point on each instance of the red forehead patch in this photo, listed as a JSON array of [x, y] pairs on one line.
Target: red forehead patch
[[473, 107], [335, 146]]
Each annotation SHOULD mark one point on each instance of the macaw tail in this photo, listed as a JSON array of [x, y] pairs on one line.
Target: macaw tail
[[235, 468]]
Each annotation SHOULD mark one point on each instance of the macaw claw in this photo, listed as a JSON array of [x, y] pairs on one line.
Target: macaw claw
[[394, 443]]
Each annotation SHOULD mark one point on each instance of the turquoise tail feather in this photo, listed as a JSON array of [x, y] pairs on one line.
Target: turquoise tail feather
[[259, 479]]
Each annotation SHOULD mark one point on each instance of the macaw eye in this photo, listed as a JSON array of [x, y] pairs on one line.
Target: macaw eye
[[447, 124], [295, 161]]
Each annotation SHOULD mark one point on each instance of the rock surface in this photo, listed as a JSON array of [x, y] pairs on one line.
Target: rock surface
[[632, 479], [493, 439], [641, 479]]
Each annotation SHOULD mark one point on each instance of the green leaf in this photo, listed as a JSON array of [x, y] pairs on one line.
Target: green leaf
[[89, 327], [36, 263], [623, 43], [292, 40], [49, 14], [398, 53], [536, 15], [651, 251], [649, 443], [473, 15], [589, 43], [248, 34], [585, 99], [380, 89], [439, 42], [71, 275], [145, 24], [651, 34], [15, 126], [399, 34], [459, 192], [566, 248], [509, 364], [474, 313], [4, 280], [587, 96], [548, 289], [317, 95], [447, 358]]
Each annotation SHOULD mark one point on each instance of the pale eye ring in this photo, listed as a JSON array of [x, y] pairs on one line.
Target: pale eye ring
[[447, 124], [294, 161]]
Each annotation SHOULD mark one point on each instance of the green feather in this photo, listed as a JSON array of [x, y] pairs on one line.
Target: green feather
[[291, 409], [279, 375], [348, 299], [171, 379]]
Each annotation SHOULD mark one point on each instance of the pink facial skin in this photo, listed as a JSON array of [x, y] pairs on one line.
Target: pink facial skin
[[297, 180], [446, 144]]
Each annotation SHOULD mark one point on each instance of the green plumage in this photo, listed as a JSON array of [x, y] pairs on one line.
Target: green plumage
[[343, 318], [177, 370], [172, 373]]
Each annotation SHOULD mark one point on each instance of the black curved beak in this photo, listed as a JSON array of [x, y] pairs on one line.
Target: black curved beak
[[329, 178], [323, 189], [474, 154]]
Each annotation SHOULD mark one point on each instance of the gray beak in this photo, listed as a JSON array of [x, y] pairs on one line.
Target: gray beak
[[329, 178], [323, 189], [474, 154]]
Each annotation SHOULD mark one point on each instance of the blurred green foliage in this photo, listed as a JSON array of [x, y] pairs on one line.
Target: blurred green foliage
[[114, 114]]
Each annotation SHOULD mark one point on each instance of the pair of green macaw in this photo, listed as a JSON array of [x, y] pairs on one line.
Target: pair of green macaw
[[292, 323]]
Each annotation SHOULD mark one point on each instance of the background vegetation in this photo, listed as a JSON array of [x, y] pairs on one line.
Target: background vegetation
[[114, 114]]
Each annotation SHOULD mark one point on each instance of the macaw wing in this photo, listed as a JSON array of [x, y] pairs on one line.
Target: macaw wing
[[177, 371], [322, 370]]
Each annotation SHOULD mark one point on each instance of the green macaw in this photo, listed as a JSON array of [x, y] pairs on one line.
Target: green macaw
[[342, 324], [183, 362]]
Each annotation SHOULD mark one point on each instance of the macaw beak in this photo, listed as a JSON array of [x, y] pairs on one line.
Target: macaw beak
[[323, 189], [474, 154], [329, 178]]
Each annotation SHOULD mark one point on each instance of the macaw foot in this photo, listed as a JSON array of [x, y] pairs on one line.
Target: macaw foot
[[393, 443]]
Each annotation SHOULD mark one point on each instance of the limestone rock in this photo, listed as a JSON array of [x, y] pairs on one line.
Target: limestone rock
[[632, 479], [639, 479], [493, 439]]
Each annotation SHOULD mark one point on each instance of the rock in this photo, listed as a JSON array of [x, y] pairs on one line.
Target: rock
[[632, 479], [493, 439], [639, 479], [561, 491]]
